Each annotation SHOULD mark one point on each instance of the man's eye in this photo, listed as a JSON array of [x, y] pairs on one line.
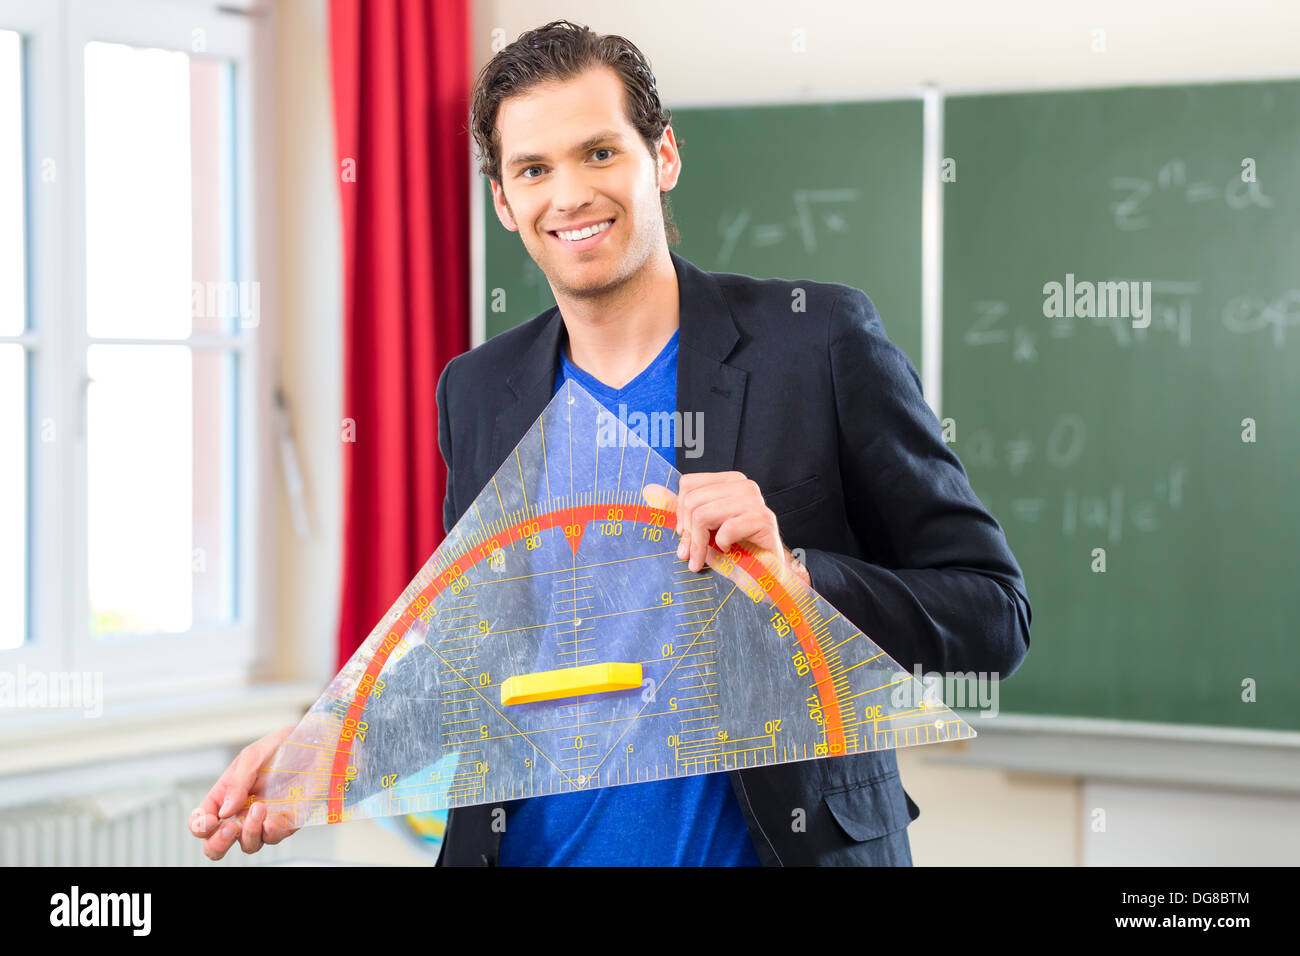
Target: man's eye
[[602, 149]]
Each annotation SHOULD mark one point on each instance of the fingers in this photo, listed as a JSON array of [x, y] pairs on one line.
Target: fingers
[[219, 828], [657, 496], [203, 821], [250, 835], [726, 502], [216, 820], [701, 478], [277, 828], [711, 515], [239, 778], [206, 818], [697, 547], [755, 526], [227, 796], [257, 831], [694, 546], [216, 846], [735, 519], [704, 500], [689, 499], [274, 825]]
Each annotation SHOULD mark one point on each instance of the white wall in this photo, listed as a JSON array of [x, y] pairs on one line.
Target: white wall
[[310, 284], [1187, 827], [742, 50]]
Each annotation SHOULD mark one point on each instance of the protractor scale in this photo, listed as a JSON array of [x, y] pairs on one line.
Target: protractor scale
[[554, 642]]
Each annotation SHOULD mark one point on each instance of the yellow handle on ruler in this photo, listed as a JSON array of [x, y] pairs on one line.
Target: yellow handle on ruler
[[570, 682]]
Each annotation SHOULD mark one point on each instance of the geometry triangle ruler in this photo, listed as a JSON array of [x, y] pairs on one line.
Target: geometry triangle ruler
[[554, 643]]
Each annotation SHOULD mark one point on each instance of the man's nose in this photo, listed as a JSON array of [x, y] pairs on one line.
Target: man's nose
[[572, 191]]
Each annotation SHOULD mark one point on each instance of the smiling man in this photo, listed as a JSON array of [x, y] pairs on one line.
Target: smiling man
[[588, 212], [814, 432]]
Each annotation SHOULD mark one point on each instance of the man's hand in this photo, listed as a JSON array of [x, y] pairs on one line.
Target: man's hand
[[230, 794], [728, 504]]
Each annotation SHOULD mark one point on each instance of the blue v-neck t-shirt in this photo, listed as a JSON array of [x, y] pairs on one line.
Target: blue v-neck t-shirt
[[688, 821]]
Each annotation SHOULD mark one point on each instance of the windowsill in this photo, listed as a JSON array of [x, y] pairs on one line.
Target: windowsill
[[58, 739]]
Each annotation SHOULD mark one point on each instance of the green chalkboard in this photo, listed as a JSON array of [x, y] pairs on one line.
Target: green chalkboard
[[822, 191], [1087, 432]]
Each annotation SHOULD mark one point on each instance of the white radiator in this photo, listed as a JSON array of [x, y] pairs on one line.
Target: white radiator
[[118, 828]]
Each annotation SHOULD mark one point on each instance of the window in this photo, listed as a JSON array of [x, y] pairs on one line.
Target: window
[[14, 407], [132, 393], [161, 415]]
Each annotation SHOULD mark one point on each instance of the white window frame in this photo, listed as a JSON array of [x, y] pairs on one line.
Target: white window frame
[[38, 26], [225, 656]]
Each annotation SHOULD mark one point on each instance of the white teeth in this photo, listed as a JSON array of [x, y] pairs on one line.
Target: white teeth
[[585, 233]]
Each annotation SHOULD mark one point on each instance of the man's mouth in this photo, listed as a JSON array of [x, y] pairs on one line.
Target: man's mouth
[[585, 237]]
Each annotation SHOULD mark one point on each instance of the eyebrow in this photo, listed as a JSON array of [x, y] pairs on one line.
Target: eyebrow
[[604, 136]]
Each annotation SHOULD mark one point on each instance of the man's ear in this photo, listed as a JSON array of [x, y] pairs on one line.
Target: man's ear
[[501, 207], [668, 159]]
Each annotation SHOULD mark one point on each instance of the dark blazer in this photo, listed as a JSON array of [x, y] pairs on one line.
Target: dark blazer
[[826, 414]]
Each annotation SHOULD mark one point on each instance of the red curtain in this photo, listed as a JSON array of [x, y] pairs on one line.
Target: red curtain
[[402, 76]]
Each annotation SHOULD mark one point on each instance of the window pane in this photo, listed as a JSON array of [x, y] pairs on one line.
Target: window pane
[[161, 491], [13, 496], [13, 254], [159, 196]]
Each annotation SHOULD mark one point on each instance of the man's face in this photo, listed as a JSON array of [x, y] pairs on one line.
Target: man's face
[[570, 158]]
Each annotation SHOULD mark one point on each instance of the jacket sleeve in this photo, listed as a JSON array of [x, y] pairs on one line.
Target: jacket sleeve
[[444, 445], [948, 593]]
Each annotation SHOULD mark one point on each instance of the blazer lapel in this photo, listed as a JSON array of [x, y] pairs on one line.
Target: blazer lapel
[[705, 384], [531, 384]]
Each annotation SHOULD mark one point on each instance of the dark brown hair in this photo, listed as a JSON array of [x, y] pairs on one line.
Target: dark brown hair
[[559, 51]]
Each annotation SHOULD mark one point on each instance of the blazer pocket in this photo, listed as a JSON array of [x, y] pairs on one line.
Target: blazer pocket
[[868, 811], [802, 494]]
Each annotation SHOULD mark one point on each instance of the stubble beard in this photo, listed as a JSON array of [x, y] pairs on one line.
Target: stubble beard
[[627, 266]]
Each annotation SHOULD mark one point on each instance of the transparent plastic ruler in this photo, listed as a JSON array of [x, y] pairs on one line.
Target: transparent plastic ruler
[[554, 643]]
